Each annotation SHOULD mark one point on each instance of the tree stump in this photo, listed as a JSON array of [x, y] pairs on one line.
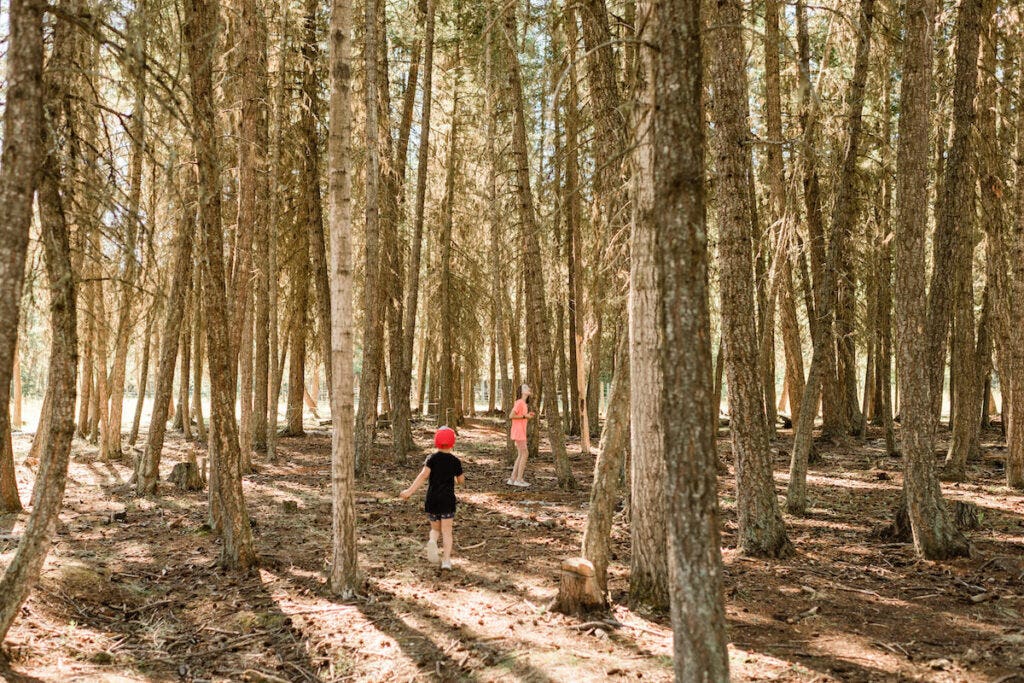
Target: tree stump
[[578, 593], [187, 476], [966, 515]]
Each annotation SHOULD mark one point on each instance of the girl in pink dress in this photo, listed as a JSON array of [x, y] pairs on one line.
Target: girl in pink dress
[[521, 414]]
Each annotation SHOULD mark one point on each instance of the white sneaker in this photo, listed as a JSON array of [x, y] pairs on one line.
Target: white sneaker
[[510, 482], [447, 564], [521, 484], [432, 555]]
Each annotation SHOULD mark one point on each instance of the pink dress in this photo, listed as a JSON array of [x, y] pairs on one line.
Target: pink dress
[[519, 413]]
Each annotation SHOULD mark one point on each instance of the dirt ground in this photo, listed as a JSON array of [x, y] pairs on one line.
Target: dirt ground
[[138, 597]]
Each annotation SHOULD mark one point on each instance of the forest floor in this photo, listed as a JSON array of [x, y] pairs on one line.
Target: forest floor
[[139, 596]]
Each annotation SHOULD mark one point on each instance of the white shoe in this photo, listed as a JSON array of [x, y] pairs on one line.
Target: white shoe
[[432, 555], [447, 564], [521, 484], [510, 482]]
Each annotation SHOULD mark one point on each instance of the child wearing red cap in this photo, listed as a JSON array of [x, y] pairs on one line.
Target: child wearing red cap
[[441, 470]]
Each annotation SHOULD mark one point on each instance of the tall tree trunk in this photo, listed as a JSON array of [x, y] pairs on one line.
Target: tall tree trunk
[[147, 468], [884, 364], [25, 61], [273, 232], [952, 243], [674, 96], [935, 535], [253, 153], [412, 284], [143, 379], [311, 171], [19, 173], [577, 376], [137, 28], [237, 551], [845, 216], [373, 298], [183, 419], [648, 577], [297, 328], [1008, 285], [610, 136], [446, 404], [824, 277], [967, 397], [761, 530], [344, 576], [537, 313], [604, 492], [253, 195], [788, 323], [197, 365]]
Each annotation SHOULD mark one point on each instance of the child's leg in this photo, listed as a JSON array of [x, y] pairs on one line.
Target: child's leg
[[447, 526], [520, 466], [524, 455], [435, 532]]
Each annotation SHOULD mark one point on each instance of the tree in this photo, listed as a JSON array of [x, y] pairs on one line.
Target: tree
[[373, 293], [673, 97], [344, 565], [412, 284], [648, 577], [604, 492], [147, 468], [230, 514], [935, 535], [761, 530], [537, 313], [19, 171], [956, 215], [25, 62]]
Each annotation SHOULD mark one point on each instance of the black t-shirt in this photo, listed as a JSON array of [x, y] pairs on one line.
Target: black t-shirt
[[444, 467]]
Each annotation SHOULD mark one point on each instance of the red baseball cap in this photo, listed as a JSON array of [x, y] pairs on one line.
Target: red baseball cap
[[444, 438]]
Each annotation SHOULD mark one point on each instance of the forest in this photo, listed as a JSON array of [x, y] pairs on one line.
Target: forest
[[734, 289]]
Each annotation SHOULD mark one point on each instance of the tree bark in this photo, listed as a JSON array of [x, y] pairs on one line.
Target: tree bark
[[845, 217], [761, 530], [540, 331], [412, 284], [19, 174], [237, 551], [674, 96], [446, 403], [967, 397], [133, 436], [935, 535], [253, 195], [373, 293], [25, 53], [648, 578], [952, 243], [604, 492], [147, 468], [311, 171], [137, 28], [344, 577], [823, 282]]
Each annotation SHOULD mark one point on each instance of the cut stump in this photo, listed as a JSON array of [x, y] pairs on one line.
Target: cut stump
[[966, 516], [577, 588], [187, 476]]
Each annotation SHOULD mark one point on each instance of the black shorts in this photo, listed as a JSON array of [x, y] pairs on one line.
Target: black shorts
[[438, 517]]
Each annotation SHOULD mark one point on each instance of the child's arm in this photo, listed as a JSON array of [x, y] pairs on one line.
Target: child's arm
[[461, 479], [422, 477]]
